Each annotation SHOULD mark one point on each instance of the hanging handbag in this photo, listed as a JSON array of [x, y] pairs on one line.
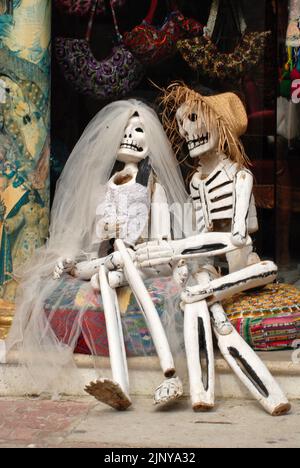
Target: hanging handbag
[[111, 78], [83, 7], [152, 44], [202, 53]]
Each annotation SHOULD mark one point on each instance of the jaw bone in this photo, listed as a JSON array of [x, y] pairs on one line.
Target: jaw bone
[[132, 145], [203, 140]]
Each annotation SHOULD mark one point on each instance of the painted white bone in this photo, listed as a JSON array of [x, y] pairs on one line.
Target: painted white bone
[[250, 369], [169, 391], [253, 276], [147, 307], [210, 244], [114, 392], [201, 374]]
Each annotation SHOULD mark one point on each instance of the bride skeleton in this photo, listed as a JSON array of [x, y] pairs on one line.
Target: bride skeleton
[[90, 211], [225, 215]]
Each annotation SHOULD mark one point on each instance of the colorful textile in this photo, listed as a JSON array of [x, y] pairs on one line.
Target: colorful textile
[[293, 32], [113, 77], [138, 341], [268, 319], [203, 55], [152, 45]]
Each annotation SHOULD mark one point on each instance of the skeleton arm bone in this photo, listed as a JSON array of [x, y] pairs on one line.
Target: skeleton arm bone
[[203, 245], [242, 199], [253, 276]]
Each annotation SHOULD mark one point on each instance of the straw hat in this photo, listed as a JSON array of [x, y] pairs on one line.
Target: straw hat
[[229, 107], [226, 111]]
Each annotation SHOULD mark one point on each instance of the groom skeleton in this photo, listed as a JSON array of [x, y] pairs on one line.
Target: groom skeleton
[[225, 215]]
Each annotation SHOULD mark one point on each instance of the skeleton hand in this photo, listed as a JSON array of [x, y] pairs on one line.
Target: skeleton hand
[[181, 273], [154, 253], [64, 265], [115, 262], [238, 239]]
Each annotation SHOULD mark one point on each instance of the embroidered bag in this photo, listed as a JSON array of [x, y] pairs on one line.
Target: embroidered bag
[[202, 53], [110, 78], [152, 44]]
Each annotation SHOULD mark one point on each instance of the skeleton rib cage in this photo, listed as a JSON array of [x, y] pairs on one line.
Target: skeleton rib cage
[[214, 197]]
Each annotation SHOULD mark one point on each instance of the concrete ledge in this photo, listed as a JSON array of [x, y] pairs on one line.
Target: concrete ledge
[[145, 376]]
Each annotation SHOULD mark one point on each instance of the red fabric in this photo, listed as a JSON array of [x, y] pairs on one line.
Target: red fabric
[[93, 326], [152, 45]]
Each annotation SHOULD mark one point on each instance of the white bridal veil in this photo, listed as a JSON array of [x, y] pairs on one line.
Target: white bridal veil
[[44, 358]]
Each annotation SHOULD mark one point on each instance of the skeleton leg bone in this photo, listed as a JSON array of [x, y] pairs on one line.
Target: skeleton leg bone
[[112, 392], [171, 389], [197, 326], [248, 367]]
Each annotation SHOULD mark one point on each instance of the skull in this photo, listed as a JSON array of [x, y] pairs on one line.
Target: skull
[[134, 146], [193, 128]]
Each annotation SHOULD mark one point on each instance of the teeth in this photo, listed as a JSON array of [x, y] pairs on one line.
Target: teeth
[[131, 146], [203, 140]]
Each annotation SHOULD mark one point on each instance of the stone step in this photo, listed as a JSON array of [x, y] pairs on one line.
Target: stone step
[[145, 375]]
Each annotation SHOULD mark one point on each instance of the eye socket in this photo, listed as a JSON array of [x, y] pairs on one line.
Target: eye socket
[[193, 117], [139, 130]]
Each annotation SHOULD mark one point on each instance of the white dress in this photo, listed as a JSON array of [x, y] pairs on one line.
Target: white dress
[[126, 210]]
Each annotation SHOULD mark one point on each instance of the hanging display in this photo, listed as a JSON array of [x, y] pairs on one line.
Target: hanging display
[[202, 53], [110, 78], [152, 44]]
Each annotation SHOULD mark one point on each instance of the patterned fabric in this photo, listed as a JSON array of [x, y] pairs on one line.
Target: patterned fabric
[[111, 78], [137, 338], [203, 55], [293, 32], [268, 319], [83, 7], [152, 45]]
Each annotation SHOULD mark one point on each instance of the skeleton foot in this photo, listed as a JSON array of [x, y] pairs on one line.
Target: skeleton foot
[[220, 321], [169, 391], [110, 393]]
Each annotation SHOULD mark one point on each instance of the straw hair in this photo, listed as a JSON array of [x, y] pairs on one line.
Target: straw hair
[[224, 110]]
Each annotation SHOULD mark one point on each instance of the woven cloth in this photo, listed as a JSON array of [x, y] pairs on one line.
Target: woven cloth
[[138, 341], [268, 319]]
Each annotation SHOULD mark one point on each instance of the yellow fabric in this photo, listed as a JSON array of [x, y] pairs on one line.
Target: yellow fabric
[[273, 299]]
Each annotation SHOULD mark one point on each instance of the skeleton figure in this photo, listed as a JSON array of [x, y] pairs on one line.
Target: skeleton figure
[[134, 207], [225, 215], [85, 205]]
